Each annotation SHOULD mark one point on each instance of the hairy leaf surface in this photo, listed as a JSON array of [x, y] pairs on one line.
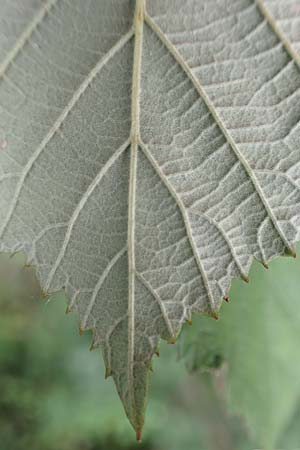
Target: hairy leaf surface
[[148, 153], [286, 13]]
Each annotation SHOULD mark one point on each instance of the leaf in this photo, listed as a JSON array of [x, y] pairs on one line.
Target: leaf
[[146, 158], [258, 336], [287, 15]]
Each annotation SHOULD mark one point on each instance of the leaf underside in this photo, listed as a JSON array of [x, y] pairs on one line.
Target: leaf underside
[[147, 154]]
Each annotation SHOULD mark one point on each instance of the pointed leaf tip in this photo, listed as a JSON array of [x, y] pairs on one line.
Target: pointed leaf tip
[[139, 435], [215, 316]]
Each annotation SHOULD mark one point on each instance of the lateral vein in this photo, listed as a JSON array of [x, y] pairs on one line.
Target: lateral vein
[[159, 302], [80, 207], [25, 36], [276, 29], [57, 124], [99, 284], [177, 56], [186, 223], [218, 227]]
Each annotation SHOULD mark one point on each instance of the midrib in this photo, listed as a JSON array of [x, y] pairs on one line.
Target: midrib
[[135, 138]]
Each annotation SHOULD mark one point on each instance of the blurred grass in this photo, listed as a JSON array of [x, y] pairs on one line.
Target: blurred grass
[[53, 394]]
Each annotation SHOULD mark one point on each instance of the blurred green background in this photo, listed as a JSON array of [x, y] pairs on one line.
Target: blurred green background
[[241, 390]]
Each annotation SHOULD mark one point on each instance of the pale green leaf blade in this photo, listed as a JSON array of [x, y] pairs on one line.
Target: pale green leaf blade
[[135, 172], [286, 14]]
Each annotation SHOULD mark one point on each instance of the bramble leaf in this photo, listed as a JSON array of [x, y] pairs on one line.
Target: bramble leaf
[[148, 153]]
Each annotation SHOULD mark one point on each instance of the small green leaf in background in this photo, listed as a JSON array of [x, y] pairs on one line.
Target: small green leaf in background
[[258, 337]]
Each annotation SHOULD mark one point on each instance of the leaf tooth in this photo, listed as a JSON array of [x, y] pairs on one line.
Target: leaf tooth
[[188, 316], [95, 342], [266, 266], [139, 435], [172, 340], [226, 298], [290, 252], [215, 315], [92, 346], [81, 331], [45, 295], [108, 373], [68, 310], [245, 278], [156, 350]]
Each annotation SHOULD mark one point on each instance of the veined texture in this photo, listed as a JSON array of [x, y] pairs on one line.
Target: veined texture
[[148, 152]]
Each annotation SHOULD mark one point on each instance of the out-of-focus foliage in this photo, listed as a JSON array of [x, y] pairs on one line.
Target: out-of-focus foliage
[[258, 338], [53, 394]]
